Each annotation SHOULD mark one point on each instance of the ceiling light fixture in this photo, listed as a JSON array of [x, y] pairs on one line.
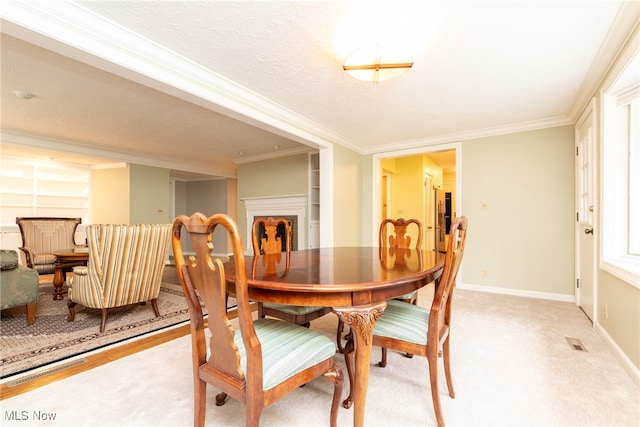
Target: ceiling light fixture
[[377, 62]]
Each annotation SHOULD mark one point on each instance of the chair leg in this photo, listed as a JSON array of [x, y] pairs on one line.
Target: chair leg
[[383, 362], [340, 338], [253, 413], [432, 357], [348, 352], [103, 320], [72, 311], [335, 376], [31, 313], [221, 398], [447, 369], [200, 402], [260, 311], [154, 304]]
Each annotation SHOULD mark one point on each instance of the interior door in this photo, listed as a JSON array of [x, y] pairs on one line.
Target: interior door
[[585, 215], [429, 237]]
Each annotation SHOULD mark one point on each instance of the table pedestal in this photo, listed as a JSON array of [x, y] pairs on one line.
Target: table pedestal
[[58, 280]]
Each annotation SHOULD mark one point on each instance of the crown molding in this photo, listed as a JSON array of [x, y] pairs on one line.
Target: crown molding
[[74, 31], [474, 134], [624, 26]]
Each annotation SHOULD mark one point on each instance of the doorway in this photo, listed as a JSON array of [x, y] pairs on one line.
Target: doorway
[[397, 175]]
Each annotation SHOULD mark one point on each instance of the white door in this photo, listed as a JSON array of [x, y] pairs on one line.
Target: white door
[[586, 211]]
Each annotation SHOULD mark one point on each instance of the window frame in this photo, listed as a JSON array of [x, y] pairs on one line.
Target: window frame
[[620, 100]]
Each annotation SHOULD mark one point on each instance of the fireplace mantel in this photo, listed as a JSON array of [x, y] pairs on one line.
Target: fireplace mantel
[[291, 205]]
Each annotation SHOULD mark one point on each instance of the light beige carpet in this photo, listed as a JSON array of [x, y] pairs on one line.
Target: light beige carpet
[[511, 365]]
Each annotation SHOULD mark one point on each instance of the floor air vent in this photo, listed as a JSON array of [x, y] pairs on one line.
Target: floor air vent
[[46, 372], [576, 344]]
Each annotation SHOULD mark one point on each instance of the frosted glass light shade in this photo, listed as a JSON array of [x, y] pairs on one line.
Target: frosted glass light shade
[[377, 62]]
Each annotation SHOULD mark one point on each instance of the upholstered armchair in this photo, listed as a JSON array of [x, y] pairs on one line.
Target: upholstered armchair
[[42, 237], [125, 267], [18, 284]]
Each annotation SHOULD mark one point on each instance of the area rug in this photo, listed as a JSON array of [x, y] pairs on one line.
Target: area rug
[[52, 338]]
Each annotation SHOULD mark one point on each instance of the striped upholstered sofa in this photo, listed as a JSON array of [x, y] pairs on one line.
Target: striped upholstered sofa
[[125, 267], [42, 236]]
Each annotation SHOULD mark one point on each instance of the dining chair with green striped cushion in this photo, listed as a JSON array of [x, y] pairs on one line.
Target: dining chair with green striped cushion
[[125, 266], [258, 361], [273, 236], [424, 331], [392, 234]]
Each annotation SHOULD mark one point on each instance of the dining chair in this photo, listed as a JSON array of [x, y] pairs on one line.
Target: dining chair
[[258, 361], [397, 239], [273, 236], [421, 331]]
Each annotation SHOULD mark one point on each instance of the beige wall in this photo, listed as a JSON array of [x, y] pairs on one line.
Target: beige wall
[[130, 194], [150, 195], [110, 196], [347, 201], [622, 321], [517, 191], [274, 177]]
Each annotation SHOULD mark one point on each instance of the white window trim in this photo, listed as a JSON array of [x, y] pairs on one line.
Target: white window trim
[[615, 218]]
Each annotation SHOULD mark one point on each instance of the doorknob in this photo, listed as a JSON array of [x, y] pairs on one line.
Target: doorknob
[[588, 231]]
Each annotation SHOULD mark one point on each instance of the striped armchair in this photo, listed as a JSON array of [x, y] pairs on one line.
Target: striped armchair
[[42, 236], [125, 267]]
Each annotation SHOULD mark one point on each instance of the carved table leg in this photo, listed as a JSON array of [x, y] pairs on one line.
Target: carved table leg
[[361, 319], [58, 280]]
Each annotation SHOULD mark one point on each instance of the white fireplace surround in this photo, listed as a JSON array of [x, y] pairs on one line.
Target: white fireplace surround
[[293, 205]]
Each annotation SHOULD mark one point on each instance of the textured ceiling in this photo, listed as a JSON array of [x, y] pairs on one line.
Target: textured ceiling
[[479, 66]]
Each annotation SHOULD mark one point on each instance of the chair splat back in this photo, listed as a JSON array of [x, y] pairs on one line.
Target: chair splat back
[[400, 229], [269, 242], [203, 275]]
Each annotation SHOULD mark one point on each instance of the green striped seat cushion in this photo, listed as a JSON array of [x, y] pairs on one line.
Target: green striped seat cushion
[[406, 296], [404, 321], [296, 310], [286, 349]]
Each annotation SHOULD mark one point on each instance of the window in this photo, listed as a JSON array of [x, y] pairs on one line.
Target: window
[[621, 175]]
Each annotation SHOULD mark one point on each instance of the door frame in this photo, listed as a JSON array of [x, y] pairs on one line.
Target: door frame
[[589, 111], [426, 149]]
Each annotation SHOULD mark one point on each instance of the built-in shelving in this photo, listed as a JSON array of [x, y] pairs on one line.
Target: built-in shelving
[[28, 188], [314, 200]]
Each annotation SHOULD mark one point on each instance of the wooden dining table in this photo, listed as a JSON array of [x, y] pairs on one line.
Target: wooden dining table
[[355, 282]]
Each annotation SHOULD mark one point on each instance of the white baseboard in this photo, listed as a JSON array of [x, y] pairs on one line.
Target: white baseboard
[[626, 363], [517, 292]]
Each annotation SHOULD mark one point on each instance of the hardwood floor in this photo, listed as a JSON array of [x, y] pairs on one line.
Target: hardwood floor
[[108, 355]]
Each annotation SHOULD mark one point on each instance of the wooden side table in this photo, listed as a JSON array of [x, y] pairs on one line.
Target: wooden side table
[[63, 258]]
